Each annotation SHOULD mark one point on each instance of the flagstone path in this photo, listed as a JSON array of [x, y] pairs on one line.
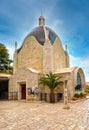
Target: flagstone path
[[21, 115]]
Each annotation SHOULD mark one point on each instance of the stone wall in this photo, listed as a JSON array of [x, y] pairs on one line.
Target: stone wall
[[30, 55], [22, 76], [59, 57], [31, 77], [41, 58]]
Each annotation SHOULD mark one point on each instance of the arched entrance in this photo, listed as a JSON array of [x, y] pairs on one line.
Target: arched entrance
[[79, 80]]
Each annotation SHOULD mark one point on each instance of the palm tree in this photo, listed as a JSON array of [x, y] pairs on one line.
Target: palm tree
[[52, 81]]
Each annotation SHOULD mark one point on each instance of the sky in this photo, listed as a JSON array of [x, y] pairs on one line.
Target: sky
[[68, 18]]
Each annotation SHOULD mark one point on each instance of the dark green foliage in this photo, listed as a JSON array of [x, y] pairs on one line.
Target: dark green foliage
[[51, 80], [77, 95], [81, 94], [5, 62]]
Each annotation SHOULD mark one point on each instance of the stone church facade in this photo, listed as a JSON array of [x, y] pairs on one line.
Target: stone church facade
[[42, 52]]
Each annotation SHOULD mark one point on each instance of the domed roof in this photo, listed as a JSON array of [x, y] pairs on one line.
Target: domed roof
[[39, 34]]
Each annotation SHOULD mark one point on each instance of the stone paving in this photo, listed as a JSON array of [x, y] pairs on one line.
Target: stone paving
[[21, 115]]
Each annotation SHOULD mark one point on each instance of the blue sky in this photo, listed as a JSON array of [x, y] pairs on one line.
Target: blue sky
[[68, 18]]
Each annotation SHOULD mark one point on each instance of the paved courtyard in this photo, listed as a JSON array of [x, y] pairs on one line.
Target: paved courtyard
[[21, 115]]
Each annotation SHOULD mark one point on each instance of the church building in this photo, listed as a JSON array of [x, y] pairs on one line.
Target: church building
[[40, 53]]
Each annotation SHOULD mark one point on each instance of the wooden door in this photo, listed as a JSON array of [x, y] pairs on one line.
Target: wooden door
[[23, 91]]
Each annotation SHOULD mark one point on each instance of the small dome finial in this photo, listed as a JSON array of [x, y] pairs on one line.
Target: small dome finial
[[41, 21]]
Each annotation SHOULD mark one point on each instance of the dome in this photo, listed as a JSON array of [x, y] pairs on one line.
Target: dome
[[39, 34]]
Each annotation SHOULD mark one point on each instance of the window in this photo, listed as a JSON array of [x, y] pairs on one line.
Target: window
[[79, 84]]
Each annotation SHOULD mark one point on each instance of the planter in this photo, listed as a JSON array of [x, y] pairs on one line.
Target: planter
[[77, 99]]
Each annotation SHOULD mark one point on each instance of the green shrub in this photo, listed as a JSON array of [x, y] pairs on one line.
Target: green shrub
[[76, 95], [81, 94], [87, 89]]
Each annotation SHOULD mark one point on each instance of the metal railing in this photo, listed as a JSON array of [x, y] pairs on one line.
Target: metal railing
[[13, 95]]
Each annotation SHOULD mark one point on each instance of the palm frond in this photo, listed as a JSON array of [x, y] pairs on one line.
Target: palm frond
[[51, 80]]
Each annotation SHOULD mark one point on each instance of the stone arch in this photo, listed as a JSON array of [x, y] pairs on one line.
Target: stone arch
[[79, 72]]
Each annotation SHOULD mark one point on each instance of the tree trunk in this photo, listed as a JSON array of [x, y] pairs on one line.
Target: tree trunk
[[52, 96]]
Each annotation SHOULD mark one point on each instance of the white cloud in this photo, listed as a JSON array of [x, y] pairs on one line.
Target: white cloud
[[11, 51], [81, 62], [57, 23]]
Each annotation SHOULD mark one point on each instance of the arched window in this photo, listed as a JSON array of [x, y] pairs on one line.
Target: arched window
[[79, 83]]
